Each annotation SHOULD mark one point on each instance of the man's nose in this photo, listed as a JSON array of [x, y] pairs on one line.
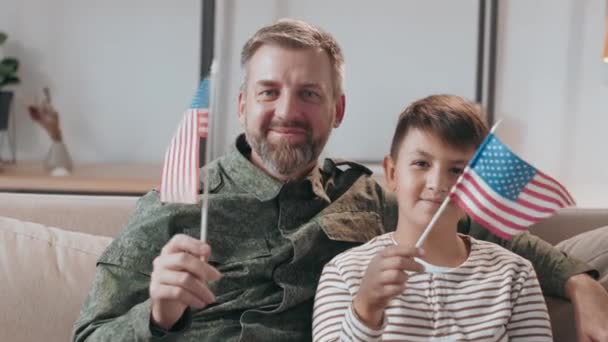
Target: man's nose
[[287, 106]]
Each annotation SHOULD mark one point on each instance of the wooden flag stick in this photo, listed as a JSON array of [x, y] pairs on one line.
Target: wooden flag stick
[[205, 206], [605, 54], [208, 149]]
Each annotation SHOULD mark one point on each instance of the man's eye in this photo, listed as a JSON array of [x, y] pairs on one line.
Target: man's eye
[[309, 94], [269, 93]]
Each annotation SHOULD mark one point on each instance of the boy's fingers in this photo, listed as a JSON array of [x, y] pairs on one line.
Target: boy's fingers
[[412, 265], [392, 277], [401, 251], [393, 290], [402, 264]]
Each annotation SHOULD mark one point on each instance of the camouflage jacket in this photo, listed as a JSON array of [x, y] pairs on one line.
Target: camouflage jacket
[[270, 240]]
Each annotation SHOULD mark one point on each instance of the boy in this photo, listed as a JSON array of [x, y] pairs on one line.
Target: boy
[[455, 287]]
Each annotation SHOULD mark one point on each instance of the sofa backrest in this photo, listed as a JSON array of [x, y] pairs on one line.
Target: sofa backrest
[[106, 215], [569, 222], [98, 215]]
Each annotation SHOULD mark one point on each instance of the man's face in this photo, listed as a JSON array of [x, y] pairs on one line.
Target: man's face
[[422, 176], [288, 109]]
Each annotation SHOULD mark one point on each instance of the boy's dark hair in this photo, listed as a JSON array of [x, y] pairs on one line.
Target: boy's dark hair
[[453, 119]]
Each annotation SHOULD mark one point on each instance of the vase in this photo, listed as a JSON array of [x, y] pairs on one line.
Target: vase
[[7, 128], [5, 108], [58, 160]]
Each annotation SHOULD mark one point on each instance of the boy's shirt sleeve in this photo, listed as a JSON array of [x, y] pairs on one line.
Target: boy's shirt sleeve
[[529, 318], [334, 318], [552, 266]]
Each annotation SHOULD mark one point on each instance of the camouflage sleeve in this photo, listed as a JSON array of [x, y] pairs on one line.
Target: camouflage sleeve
[[391, 212], [117, 307], [552, 266]]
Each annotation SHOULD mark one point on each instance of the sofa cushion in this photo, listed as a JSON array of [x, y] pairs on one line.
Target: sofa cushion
[[45, 274]]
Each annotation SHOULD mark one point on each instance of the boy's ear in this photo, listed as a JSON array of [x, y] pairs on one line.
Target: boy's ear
[[389, 173]]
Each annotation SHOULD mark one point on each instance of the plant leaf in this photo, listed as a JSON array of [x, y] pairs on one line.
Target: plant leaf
[[11, 63]]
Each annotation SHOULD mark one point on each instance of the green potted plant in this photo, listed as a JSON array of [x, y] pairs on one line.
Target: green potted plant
[[8, 76]]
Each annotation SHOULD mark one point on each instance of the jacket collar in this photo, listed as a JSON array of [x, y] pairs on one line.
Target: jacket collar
[[255, 181]]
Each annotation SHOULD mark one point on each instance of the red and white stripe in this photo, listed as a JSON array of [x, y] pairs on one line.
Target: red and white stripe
[[203, 122], [180, 177], [539, 199]]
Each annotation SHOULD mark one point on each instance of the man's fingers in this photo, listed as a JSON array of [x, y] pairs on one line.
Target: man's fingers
[[187, 282], [211, 273], [185, 262], [161, 291], [188, 244]]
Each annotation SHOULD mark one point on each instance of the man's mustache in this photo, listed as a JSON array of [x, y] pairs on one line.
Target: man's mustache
[[276, 124]]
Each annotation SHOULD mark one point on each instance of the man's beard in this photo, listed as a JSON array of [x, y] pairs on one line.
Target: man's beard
[[283, 158]]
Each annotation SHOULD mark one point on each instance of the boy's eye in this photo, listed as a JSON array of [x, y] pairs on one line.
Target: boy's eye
[[457, 170], [420, 163]]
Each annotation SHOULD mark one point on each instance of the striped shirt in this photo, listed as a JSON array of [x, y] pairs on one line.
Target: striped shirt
[[493, 296]]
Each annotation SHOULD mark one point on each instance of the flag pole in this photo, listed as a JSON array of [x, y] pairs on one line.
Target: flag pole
[[208, 150], [428, 228], [444, 204], [204, 206]]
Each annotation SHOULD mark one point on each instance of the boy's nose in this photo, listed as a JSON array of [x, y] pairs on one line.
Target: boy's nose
[[436, 182]]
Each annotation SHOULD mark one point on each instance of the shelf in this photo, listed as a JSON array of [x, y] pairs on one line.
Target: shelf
[[101, 178]]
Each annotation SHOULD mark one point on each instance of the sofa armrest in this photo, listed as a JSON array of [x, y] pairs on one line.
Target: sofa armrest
[[45, 274], [569, 222]]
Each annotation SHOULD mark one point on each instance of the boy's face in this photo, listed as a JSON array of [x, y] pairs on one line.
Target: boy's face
[[422, 176]]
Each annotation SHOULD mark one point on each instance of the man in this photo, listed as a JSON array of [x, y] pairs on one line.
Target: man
[[275, 219]]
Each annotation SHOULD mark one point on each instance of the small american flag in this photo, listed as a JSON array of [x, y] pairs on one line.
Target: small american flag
[[504, 193], [180, 178]]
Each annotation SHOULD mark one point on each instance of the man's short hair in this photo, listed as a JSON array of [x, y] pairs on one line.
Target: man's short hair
[[453, 119], [297, 34]]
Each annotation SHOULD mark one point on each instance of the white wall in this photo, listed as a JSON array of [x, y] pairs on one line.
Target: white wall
[[396, 51], [551, 87], [121, 72], [553, 91]]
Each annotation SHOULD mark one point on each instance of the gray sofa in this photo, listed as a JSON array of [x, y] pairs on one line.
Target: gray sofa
[[49, 245]]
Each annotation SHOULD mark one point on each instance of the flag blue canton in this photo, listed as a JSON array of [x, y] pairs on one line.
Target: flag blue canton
[[502, 170], [201, 99]]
